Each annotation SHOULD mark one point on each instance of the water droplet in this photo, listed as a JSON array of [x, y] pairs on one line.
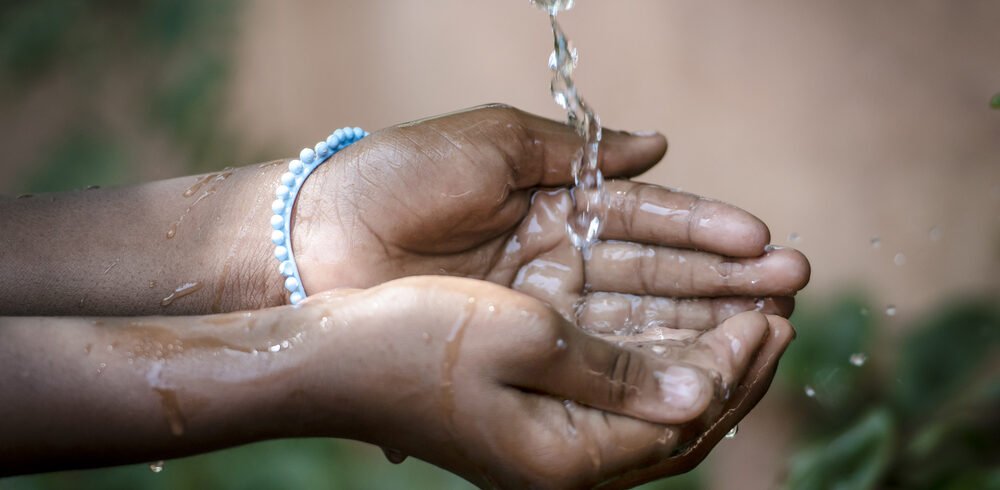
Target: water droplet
[[934, 233], [858, 359], [156, 467], [658, 350], [561, 344], [182, 291], [491, 308], [890, 310], [394, 456], [899, 259], [793, 237], [732, 432], [759, 304], [876, 242], [810, 392]]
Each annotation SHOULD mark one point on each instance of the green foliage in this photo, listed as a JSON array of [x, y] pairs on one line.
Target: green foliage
[[83, 158], [857, 458], [927, 420], [995, 101]]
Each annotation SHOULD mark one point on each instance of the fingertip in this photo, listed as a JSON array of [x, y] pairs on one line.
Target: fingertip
[[684, 393], [780, 331], [789, 268], [626, 154]]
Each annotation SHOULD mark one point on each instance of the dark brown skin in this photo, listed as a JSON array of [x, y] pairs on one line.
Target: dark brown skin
[[475, 387], [472, 377]]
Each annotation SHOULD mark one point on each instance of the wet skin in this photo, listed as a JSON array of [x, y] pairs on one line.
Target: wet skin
[[494, 385], [481, 194]]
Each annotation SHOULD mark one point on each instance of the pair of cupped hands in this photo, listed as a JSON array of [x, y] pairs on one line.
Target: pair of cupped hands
[[494, 348]]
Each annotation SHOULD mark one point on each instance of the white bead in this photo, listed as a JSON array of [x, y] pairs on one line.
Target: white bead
[[278, 237], [307, 155], [291, 283], [295, 167], [358, 133], [332, 141], [322, 149], [286, 268], [282, 192], [278, 206], [277, 221], [281, 253], [339, 134], [295, 298], [288, 178]]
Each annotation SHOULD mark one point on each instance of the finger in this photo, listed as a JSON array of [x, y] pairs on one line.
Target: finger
[[746, 395], [726, 350], [645, 318], [543, 151], [651, 214], [626, 267], [622, 380]]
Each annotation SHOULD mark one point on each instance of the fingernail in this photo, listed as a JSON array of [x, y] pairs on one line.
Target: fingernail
[[680, 386], [645, 133]]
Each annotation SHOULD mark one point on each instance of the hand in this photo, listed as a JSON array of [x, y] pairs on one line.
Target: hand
[[482, 194], [495, 386]]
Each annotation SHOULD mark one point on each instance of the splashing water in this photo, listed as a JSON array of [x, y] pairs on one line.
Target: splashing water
[[732, 432], [156, 467], [589, 199], [890, 310], [858, 359], [810, 392]]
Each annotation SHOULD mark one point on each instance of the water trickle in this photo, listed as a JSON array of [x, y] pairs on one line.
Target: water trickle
[[394, 456], [810, 392], [171, 410], [157, 466], [732, 432], [890, 310], [876, 242], [899, 259], [589, 197], [182, 291], [858, 359]]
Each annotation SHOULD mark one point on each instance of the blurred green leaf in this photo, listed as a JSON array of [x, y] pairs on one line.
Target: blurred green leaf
[[854, 460], [83, 158], [944, 354], [819, 358], [995, 101], [33, 32]]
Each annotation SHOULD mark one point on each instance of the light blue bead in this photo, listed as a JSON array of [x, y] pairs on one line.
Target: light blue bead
[[296, 298], [332, 141], [358, 133], [278, 237], [286, 268], [295, 166], [322, 149], [307, 155], [278, 206], [282, 192], [281, 253], [288, 178], [277, 222], [291, 283], [339, 134]]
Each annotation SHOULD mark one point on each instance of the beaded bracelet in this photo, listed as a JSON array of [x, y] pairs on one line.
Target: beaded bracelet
[[288, 189]]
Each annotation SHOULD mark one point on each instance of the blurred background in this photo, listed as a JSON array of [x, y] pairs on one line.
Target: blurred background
[[861, 131]]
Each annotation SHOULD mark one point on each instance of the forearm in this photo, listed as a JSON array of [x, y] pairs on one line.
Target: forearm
[[189, 245], [95, 392]]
